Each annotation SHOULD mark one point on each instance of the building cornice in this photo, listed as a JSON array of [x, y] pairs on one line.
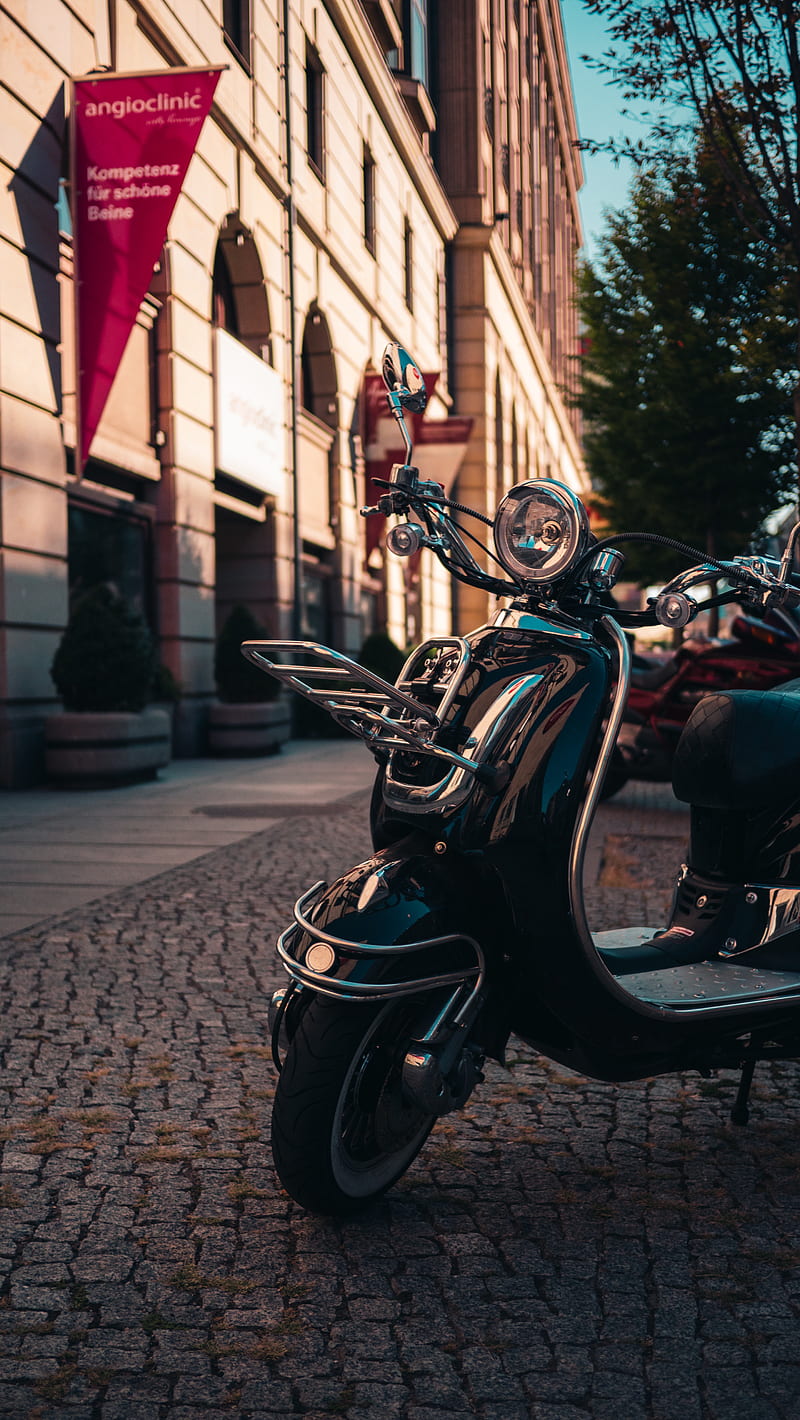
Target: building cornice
[[488, 240], [555, 50], [374, 73]]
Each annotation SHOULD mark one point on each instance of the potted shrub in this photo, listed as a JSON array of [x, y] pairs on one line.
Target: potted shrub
[[103, 671], [380, 654], [251, 717]]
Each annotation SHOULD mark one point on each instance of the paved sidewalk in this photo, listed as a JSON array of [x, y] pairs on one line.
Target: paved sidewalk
[[562, 1249], [60, 849]]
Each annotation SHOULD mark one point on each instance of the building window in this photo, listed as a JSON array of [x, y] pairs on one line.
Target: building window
[[109, 545], [412, 60], [416, 29], [369, 201], [236, 28], [408, 264], [224, 313], [315, 99]]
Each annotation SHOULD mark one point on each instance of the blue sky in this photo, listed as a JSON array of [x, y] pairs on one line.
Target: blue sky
[[597, 104]]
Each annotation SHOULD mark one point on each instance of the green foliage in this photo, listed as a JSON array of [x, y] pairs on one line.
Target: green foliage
[[165, 686], [380, 655], [238, 680], [729, 66], [689, 368], [106, 656]]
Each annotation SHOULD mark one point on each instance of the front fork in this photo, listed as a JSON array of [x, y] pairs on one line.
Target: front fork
[[440, 1069]]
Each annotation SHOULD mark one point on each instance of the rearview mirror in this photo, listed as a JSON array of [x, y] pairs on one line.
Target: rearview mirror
[[402, 377]]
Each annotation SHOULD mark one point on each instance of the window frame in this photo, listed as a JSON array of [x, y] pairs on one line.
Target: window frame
[[315, 111], [408, 263], [237, 31], [369, 200]]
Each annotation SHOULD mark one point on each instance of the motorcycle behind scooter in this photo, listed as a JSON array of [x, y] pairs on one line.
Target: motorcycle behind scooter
[[761, 651], [467, 923]]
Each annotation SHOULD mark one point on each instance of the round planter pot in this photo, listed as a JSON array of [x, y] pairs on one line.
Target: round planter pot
[[89, 749], [248, 729]]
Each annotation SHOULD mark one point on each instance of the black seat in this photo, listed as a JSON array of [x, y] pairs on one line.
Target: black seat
[[741, 749]]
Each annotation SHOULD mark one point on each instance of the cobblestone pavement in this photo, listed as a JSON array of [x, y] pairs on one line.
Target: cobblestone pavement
[[561, 1249]]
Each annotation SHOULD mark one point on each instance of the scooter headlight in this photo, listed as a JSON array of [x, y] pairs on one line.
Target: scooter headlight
[[540, 531]]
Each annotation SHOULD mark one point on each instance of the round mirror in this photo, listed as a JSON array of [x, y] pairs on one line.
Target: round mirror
[[402, 376]]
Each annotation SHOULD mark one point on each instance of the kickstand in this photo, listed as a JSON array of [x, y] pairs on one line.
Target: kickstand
[[740, 1113]]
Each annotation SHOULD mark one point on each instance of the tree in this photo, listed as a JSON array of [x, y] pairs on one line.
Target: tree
[[736, 65], [684, 384]]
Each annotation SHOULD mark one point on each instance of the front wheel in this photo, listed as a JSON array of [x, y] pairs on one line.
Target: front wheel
[[343, 1131]]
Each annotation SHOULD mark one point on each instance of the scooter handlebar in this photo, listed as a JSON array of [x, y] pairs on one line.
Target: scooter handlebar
[[759, 580]]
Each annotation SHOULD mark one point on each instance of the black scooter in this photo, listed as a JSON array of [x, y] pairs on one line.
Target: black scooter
[[468, 922]]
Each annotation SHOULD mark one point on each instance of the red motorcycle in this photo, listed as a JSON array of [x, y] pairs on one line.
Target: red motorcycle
[[663, 692]]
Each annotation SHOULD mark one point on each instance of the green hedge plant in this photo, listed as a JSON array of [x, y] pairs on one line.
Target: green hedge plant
[[238, 680], [382, 656], [106, 657]]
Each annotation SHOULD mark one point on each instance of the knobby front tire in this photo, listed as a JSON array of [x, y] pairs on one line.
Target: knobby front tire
[[342, 1130]]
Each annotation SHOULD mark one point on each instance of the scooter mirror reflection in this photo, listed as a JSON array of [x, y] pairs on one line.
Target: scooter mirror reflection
[[402, 376]]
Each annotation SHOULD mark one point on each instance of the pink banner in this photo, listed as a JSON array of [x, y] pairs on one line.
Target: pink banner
[[133, 139]]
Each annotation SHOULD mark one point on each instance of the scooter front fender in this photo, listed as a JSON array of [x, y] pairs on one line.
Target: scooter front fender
[[407, 920]]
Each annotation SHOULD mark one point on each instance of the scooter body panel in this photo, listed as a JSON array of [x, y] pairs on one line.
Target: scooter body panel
[[544, 693], [494, 867]]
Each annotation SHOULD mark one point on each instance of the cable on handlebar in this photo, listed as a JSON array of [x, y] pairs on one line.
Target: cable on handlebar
[[465, 532], [462, 508], [733, 574]]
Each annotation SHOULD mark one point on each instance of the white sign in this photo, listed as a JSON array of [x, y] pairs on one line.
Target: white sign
[[251, 438]]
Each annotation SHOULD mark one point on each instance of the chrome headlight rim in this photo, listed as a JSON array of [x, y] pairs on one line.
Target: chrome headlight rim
[[566, 531]]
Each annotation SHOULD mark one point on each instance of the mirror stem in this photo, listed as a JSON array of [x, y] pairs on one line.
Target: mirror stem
[[395, 404]]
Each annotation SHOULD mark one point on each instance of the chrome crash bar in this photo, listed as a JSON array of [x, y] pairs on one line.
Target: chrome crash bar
[[315, 969]]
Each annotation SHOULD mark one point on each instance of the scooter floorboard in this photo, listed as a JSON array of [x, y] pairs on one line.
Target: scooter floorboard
[[708, 983]]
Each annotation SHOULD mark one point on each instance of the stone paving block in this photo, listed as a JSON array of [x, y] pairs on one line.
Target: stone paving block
[[562, 1250]]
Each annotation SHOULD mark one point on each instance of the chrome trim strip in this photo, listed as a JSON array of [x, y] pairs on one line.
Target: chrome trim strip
[[514, 619], [762, 1003], [453, 789], [581, 835]]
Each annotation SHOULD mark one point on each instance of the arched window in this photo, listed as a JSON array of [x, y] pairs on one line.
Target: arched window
[[239, 300], [318, 393], [224, 312]]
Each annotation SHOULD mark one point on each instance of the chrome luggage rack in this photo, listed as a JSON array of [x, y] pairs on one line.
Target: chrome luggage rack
[[386, 717]]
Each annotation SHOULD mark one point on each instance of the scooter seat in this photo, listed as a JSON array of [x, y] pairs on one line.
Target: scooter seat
[[740, 749]]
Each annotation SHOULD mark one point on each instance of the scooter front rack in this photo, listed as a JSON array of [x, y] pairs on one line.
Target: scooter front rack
[[386, 717]]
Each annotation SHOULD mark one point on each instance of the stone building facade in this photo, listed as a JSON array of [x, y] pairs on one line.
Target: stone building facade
[[370, 170]]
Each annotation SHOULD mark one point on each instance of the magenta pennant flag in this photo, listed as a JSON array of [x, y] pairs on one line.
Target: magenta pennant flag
[[133, 139]]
